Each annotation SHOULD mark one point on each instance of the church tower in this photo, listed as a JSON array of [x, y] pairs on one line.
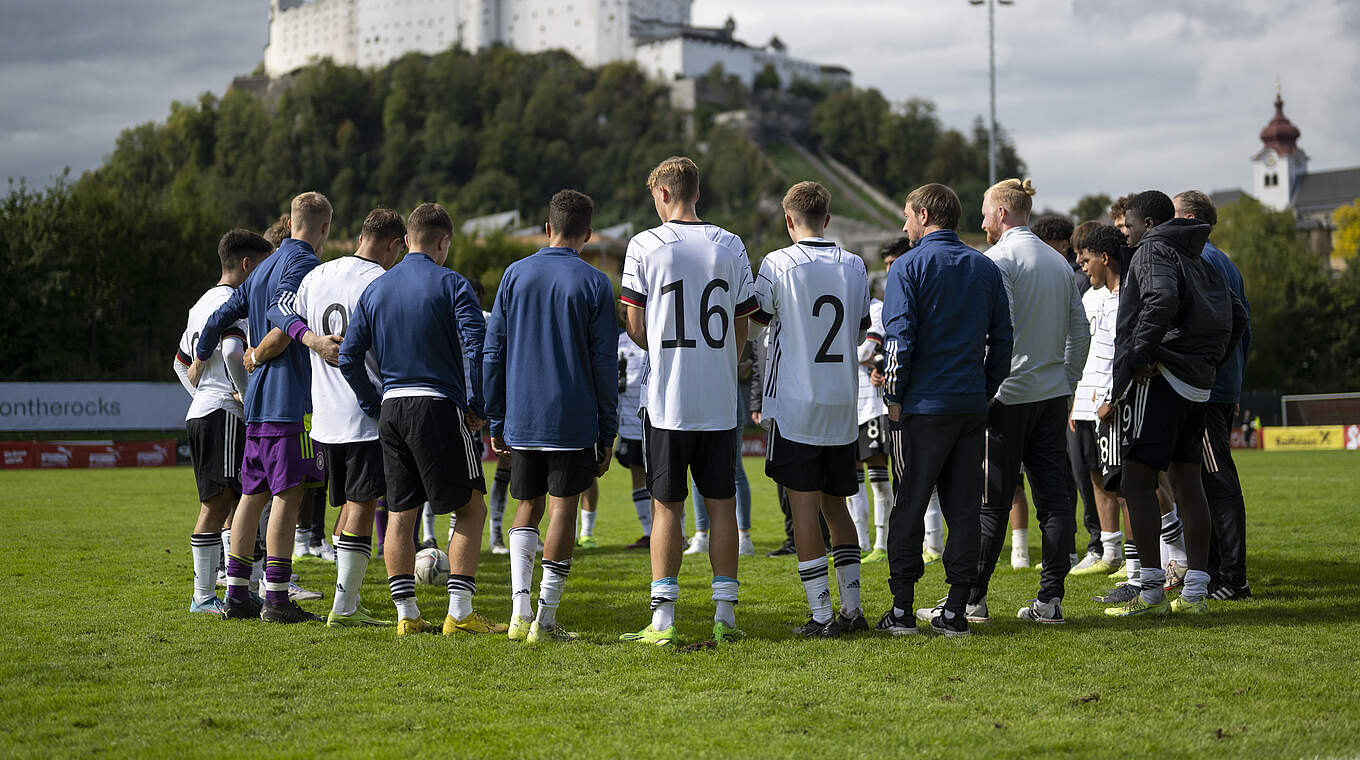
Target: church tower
[[1279, 165]]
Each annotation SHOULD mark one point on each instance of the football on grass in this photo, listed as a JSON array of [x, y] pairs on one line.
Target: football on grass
[[432, 567]]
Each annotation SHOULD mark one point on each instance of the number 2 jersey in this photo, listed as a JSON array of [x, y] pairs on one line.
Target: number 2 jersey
[[326, 300], [694, 280], [815, 298]]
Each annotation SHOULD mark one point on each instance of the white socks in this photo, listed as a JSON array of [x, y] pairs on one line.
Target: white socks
[[351, 561], [664, 594], [1110, 544], [550, 590], [847, 577], [426, 523], [816, 587], [1196, 585], [523, 547], [1173, 538], [1152, 579], [878, 484], [587, 524], [935, 524], [725, 600], [406, 608], [301, 538], [206, 548], [1133, 563], [858, 505], [642, 503]]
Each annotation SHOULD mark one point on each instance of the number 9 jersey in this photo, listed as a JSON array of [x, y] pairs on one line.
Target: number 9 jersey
[[694, 280], [326, 300], [815, 298]]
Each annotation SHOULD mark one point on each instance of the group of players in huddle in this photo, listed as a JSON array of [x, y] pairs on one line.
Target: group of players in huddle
[[965, 371]]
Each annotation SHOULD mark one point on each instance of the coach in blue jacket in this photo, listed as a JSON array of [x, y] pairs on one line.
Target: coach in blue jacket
[[948, 349], [1228, 549], [551, 370]]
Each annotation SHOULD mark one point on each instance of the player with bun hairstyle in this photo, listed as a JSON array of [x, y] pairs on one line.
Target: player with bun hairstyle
[[1027, 421]]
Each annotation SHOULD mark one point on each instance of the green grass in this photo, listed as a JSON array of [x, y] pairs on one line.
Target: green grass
[[796, 168], [99, 656]]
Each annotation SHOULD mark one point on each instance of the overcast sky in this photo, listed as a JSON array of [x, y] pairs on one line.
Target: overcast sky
[[1099, 96]]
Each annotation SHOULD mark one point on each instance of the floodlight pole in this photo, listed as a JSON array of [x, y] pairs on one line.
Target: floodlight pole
[[991, 72]]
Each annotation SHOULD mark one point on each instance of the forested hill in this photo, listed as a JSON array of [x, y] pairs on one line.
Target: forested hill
[[101, 269]]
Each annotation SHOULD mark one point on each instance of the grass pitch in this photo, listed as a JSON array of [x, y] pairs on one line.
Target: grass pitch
[[99, 656]]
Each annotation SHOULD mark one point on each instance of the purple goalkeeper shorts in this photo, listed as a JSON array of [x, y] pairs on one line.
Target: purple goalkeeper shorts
[[276, 461]]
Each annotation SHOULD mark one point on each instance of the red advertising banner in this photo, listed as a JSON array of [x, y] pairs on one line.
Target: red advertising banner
[[73, 455], [17, 455]]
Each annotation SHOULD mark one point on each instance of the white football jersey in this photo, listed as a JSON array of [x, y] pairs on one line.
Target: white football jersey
[[693, 279], [871, 404], [215, 387], [325, 300], [815, 297], [1097, 378], [632, 366]]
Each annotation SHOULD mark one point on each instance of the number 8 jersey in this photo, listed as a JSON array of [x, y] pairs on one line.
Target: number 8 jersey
[[815, 298], [326, 300], [693, 279]]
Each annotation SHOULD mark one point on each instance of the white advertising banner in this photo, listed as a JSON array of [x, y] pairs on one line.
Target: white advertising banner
[[92, 406]]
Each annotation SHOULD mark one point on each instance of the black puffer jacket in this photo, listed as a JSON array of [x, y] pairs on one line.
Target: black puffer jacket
[[1175, 309]]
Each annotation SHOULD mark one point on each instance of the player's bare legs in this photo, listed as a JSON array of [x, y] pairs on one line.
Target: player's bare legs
[[465, 545], [805, 507], [723, 539], [1193, 508], [668, 539]]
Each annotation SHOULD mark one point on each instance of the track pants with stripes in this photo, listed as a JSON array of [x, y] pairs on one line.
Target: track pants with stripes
[[930, 451], [1035, 435], [1228, 548]]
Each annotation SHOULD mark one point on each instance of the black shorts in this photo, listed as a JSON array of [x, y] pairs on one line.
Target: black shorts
[[217, 442], [1087, 452], [1110, 451], [709, 455], [354, 471], [557, 473], [1158, 426], [804, 467], [629, 453], [873, 438], [429, 454]]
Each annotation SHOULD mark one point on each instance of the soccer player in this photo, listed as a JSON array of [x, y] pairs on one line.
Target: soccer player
[[1178, 322], [1092, 405], [1027, 421], [632, 366], [422, 323], [872, 415], [327, 298], [948, 349], [689, 288], [214, 423], [551, 372], [277, 396], [814, 296], [1228, 551], [1081, 449]]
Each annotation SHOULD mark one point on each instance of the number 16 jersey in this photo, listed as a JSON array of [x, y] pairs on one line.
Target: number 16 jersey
[[694, 280], [326, 300], [815, 298]]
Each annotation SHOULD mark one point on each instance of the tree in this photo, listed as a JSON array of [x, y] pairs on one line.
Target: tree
[[1293, 306], [1346, 239], [1090, 207], [767, 80]]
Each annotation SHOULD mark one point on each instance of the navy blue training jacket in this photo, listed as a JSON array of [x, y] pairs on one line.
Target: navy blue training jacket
[[551, 365], [421, 320], [948, 328]]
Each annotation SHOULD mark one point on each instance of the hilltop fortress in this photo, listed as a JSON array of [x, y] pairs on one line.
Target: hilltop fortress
[[657, 34]]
